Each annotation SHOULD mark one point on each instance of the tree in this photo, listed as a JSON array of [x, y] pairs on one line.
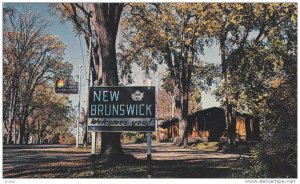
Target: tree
[[30, 58], [106, 21], [273, 95], [224, 19], [173, 34], [103, 19], [53, 116], [237, 27], [164, 104], [259, 61]]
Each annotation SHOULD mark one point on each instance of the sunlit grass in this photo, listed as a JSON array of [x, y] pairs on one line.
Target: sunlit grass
[[207, 146]]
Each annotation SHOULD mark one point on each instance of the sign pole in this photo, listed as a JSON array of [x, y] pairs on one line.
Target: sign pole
[[93, 152], [77, 133], [149, 154], [148, 82]]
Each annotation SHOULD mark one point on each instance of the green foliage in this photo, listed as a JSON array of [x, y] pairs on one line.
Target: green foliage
[[172, 34], [206, 75], [276, 154], [133, 137], [32, 61], [261, 76]]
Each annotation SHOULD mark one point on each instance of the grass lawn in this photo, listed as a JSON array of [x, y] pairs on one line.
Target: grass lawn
[[168, 161]]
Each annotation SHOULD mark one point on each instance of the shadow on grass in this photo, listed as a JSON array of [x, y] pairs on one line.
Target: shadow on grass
[[131, 167], [72, 164]]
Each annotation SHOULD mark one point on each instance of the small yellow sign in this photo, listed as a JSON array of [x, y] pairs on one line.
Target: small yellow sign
[[66, 87], [60, 83]]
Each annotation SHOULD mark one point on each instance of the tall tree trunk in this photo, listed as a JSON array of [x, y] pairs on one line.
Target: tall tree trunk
[[249, 135], [27, 138], [173, 105], [22, 131], [38, 135], [184, 121], [106, 19], [231, 118], [178, 113], [9, 133], [256, 130], [230, 115], [23, 119], [11, 115]]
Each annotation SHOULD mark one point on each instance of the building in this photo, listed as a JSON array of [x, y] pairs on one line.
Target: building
[[210, 125]]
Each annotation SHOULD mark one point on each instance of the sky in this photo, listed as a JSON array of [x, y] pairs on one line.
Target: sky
[[76, 54]]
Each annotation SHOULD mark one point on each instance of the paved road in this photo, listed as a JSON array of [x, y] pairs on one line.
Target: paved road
[[65, 161]]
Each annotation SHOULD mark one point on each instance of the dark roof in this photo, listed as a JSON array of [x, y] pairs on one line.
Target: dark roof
[[214, 111], [210, 111]]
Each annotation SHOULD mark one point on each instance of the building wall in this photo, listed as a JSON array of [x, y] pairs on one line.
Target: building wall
[[211, 127], [240, 128]]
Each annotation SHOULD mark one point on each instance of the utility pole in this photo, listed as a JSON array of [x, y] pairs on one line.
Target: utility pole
[[90, 55], [93, 148], [79, 86]]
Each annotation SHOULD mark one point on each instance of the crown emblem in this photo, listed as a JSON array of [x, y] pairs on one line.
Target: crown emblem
[[137, 96]]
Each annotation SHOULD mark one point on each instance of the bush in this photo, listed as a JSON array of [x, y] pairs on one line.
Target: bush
[[133, 137], [276, 154], [67, 139]]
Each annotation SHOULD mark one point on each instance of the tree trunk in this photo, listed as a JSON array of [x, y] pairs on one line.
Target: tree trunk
[[11, 116], [184, 121], [106, 19], [85, 130], [23, 120], [231, 122], [249, 136], [22, 131], [256, 131], [9, 134], [26, 137], [38, 134], [230, 115], [179, 115], [173, 105]]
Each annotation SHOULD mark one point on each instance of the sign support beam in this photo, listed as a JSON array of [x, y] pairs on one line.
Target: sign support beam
[[93, 152], [149, 155]]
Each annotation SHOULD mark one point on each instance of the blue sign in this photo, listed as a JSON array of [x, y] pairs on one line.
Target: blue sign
[[118, 109]]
